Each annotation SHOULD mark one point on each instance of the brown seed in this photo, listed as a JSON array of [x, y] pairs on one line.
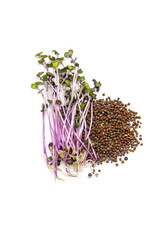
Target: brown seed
[[116, 164], [89, 174], [118, 134], [93, 165], [126, 158]]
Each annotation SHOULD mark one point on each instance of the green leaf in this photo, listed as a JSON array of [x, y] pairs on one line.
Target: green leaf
[[66, 54], [41, 61], [86, 142], [77, 124], [49, 101], [80, 71], [52, 58], [38, 83], [33, 86], [58, 102], [62, 71], [77, 117], [85, 84], [82, 105], [38, 54], [50, 74], [42, 107], [55, 52], [70, 52], [76, 64], [87, 90], [60, 59], [97, 84], [55, 63], [44, 77], [93, 95], [70, 67], [39, 74], [43, 56], [49, 65], [67, 82], [80, 79]]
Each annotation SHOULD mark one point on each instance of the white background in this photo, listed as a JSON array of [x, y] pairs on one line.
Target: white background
[[116, 43]]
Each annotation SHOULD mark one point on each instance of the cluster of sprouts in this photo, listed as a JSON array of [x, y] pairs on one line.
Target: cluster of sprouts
[[67, 98]]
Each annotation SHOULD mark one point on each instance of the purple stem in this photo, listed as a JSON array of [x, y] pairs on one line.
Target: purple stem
[[84, 146], [93, 149], [44, 144]]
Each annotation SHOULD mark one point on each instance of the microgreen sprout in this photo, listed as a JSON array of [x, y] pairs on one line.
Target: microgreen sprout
[[67, 98]]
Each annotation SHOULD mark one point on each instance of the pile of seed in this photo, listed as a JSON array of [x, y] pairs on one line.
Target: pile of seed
[[114, 130]]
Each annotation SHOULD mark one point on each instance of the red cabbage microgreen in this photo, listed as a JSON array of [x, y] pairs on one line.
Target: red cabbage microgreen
[[67, 98]]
